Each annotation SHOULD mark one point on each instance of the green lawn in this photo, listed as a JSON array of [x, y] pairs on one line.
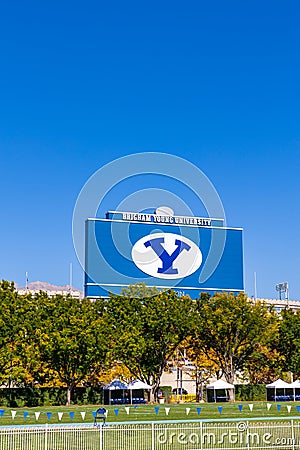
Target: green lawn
[[147, 412]]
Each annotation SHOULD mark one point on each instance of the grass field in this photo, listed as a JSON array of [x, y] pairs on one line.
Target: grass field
[[173, 412]]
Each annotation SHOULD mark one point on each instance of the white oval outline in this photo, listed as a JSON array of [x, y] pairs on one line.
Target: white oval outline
[[142, 266]]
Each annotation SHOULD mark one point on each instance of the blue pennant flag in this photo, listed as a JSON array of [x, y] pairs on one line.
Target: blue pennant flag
[[25, 415], [240, 407], [116, 412], [94, 414], [156, 409], [198, 411], [298, 408], [49, 414], [220, 409], [2, 412], [278, 408], [71, 415]]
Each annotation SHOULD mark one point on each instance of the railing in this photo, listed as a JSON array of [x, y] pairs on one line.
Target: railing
[[198, 435], [49, 438], [186, 398]]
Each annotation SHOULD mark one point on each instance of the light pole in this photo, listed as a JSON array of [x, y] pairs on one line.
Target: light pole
[[283, 288]]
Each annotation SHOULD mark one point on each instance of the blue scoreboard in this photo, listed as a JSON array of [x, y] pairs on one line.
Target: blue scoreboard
[[187, 254]]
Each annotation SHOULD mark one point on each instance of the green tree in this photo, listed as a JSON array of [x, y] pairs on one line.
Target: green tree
[[289, 340], [264, 364], [11, 325], [139, 290], [147, 328], [71, 337], [35, 370], [229, 328]]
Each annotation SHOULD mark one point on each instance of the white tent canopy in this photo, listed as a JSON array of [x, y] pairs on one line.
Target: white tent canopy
[[220, 390], [220, 384], [136, 389], [279, 384], [296, 385], [282, 386], [138, 384]]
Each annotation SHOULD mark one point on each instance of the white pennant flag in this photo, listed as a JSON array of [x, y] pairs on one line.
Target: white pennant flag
[[37, 415], [289, 407], [82, 415], [127, 409], [251, 406], [269, 406], [13, 414], [167, 411], [60, 414], [187, 411]]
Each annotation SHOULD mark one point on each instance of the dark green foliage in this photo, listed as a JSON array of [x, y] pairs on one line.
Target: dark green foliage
[[250, 392], [289, 340], [31, 397], [68, 342], [146, 330], [166, 392], [229, 328], [71, 339]]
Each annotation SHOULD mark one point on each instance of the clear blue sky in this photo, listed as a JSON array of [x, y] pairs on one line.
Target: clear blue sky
[[83, 83]]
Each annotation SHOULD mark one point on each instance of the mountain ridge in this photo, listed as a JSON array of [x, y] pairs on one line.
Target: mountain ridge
[[45, 286]]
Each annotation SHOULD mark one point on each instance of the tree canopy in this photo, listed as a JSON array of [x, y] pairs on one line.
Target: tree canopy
[[229, 328], [289, 340], [71, 338], [63, 341], [147, 329]]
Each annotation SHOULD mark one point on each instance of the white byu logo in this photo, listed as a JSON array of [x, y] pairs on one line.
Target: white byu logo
[[166, 255]]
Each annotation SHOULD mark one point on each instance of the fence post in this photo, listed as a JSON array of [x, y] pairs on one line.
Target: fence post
[[101, 437], [293, 434], [201, 435], [46, 436], [153, 437], [247, 434]]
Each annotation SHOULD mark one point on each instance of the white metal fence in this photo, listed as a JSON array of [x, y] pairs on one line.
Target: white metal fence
[[200, 435]]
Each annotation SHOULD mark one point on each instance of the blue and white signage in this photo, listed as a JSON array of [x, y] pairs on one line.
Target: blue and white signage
[[187, 254], [166, 255]]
